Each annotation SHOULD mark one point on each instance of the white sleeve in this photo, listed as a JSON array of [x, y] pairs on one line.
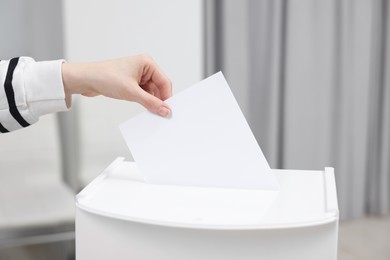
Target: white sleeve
[[28, 90]]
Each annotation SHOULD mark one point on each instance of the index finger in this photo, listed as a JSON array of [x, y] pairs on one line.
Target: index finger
[[162, 82]]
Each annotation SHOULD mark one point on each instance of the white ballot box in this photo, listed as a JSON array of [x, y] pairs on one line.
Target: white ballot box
[[121, 217]]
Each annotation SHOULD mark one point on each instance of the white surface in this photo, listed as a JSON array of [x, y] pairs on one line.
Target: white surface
[[352, 244], [205, 142], [118, 216], [302, 201], [171, 31], [102, 238]]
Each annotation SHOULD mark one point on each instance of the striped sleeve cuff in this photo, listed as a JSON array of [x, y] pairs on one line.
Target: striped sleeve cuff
[[44, 87]]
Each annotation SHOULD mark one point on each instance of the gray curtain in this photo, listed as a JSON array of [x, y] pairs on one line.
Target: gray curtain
[[312, 78]]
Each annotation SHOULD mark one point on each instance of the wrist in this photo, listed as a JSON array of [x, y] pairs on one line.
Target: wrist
[[80, 78], [70, 79]]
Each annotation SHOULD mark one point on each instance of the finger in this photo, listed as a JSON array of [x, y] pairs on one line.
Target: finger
[[90, 94], [150, 88], [162, 82], [155, 92], [153, 89], [153, 103]]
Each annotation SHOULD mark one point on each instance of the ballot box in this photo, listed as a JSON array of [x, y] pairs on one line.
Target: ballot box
[[119, 216]]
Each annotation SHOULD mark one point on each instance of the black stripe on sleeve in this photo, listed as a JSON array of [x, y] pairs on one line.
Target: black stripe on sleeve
[[3, 129], [9, 90]]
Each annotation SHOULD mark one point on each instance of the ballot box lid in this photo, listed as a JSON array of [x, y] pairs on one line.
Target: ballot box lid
[[305, 198]]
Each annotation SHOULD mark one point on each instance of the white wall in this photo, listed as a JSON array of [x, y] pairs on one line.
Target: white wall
[[171, 31], [31, 28]]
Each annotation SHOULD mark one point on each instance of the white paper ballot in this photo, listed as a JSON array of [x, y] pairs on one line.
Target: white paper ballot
[[205, 142]]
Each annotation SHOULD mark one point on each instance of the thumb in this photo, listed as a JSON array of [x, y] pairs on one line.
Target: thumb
[[153, 104]]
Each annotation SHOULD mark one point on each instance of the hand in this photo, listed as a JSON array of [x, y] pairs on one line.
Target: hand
[[135, 78]]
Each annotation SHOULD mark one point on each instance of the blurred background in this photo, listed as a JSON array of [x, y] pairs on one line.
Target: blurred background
[[311, 76]]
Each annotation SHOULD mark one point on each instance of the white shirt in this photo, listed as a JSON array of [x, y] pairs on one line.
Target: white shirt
[[28, 90]]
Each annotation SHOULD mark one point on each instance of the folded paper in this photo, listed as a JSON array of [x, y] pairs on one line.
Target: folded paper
[[206, 142]]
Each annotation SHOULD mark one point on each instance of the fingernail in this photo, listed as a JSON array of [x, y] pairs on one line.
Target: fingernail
[[163, 111]]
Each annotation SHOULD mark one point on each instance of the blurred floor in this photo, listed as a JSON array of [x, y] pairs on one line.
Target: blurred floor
[[365, 239], [362, 239], [57, 251]]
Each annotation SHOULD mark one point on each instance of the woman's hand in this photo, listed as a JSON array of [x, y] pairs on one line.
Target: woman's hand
[[135, 78]]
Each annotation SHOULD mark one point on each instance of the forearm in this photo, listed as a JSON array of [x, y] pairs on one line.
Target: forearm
[[29, 90], [79, 78]]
